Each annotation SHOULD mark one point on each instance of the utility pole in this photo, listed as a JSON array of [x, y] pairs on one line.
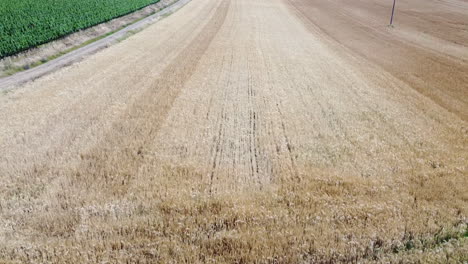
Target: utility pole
[[393, 12]]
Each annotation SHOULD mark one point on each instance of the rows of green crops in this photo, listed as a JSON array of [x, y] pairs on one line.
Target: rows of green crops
[[28, 23]]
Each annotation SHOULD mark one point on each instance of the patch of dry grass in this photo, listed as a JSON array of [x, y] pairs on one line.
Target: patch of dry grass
[[322, 218]]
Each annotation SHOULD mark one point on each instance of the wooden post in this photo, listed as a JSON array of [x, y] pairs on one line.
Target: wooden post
[[393, 12]]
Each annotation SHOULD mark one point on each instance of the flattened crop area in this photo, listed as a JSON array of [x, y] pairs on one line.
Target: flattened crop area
[[280, 131]]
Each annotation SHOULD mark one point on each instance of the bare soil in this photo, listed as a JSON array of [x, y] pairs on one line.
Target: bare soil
[[279, 131]]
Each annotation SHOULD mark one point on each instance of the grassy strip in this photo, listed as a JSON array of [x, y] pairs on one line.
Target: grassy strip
[[14, 70]]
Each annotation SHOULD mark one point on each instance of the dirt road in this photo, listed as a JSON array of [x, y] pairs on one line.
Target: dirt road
[[225, 98]]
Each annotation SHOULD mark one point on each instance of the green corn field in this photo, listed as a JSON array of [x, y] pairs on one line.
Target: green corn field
[[28, 23]]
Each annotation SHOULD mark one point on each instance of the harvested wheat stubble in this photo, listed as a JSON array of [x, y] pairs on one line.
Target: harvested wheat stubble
[[238, 131]]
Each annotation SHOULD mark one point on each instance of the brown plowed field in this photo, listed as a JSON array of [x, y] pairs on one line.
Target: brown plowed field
[[267, 131]]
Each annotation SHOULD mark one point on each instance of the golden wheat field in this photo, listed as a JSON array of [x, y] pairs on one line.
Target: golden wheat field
[[248, 131]]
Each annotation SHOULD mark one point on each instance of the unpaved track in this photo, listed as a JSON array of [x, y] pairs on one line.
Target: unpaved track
[[238, 94]]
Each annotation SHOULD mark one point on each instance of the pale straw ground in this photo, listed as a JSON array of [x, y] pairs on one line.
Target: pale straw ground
[[246, 131]]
